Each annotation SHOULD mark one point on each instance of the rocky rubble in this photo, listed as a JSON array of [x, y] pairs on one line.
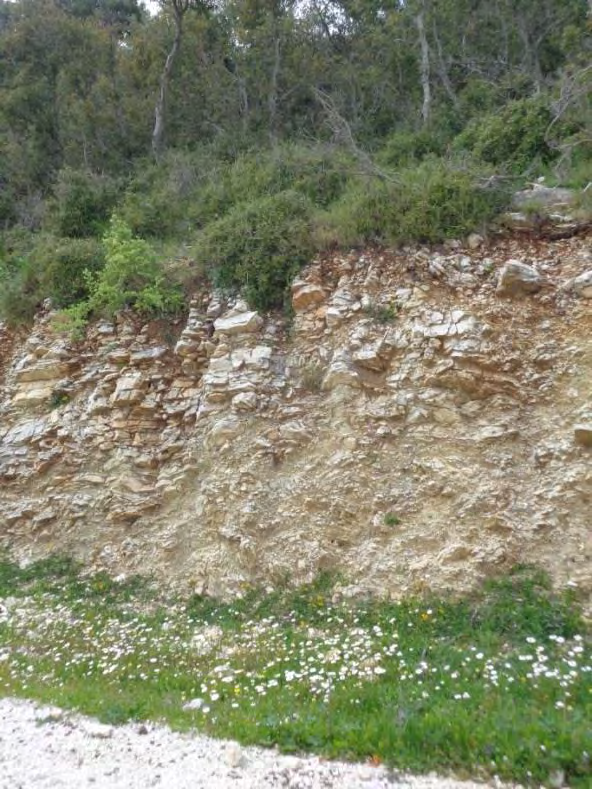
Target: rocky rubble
[[449, 389]]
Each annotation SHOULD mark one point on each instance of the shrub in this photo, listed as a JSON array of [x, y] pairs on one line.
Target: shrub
[[159, 199], [404, 148], [258, 247], [382, 313], [187, 190], [512, 138], [427, 203], [82, 203], [64, 268], [34, 267], [131, 277], [319, 173]]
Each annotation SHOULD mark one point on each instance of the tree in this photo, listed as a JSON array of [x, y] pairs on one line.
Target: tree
[[176, 9]]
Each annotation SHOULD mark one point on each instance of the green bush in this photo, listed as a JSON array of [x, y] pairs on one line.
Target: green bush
[[187, 190], [159, 198], [131, 277], [64, 268], [404, 148], [34, 267], [318, 173], [257, 248], [82, 203], [512, 138], [428, 203], [7, 201]]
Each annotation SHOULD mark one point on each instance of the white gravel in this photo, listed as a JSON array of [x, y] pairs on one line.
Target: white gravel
[[44, 747]]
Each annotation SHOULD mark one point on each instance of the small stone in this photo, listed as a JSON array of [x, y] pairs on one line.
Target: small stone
[[98, 731], [583, 434], [517, 278], [474, 241], [291, 763], [582, 285], [246, 401], [49, 714], [556, 779], [233, 755], [194, 704]]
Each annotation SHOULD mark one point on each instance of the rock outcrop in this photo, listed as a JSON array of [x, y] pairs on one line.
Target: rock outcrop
[[411, 427]]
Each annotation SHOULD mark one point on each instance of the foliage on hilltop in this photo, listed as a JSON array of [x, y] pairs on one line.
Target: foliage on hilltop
[[281, 127]]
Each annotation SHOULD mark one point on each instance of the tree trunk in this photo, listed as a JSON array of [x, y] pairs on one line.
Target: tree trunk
[[273, 87], [443, 71], [179, 9], [424, 68]]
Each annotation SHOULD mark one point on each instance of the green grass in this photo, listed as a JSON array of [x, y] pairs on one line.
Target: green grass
[[496, 684]]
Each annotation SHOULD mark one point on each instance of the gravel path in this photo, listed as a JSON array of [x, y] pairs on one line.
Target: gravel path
[[46, 748]]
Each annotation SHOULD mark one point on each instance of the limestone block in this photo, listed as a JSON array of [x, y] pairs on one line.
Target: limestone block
[[185, 347], [547, 196], [341, 373], [517, 278], [245, 401], [241, 323], [148, 354], [446, 416], [25, 432], [128, 391], [259, 357], [221, 364], [43, 370], [222, 431], [334, 317], [369, 356], [306, 296], [294, 431], [440, 330], [136, 485], [118, 356], [32, 395]]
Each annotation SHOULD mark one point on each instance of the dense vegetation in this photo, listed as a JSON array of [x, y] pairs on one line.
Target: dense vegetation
[[244, 135], [496, 684]]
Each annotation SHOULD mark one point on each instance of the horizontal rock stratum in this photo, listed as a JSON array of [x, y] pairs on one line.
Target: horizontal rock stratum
[[412, 427]]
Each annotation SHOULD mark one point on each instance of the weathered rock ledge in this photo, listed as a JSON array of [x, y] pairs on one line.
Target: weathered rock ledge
[[425, 420]]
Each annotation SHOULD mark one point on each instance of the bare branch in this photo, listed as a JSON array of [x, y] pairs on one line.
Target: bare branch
[[343, 135]]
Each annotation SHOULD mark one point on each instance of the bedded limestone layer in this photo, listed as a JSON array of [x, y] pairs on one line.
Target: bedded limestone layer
[[424, 420]]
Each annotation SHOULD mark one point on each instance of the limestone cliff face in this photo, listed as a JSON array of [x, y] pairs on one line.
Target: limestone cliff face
[[425, 420]]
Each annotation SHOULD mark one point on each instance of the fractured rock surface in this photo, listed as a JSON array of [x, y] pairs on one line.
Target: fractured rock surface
[[232, 448]]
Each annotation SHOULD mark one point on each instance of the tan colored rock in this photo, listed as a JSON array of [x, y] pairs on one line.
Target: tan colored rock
[[222, 431], [341, 373], [219, 468], [306, 296], [33, 394], [245, 401], [43, 370], [583, 434], [241, 323], [129, 390]]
